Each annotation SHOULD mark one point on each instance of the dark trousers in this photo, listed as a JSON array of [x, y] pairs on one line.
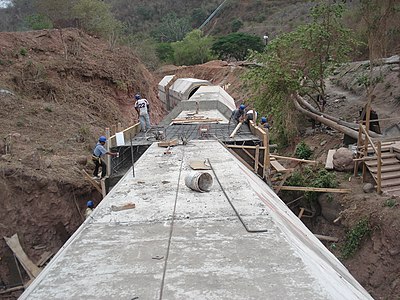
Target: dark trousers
[[98, 163]]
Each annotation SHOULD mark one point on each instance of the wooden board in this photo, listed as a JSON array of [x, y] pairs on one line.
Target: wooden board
[[390, 168], [277, 166], [31, 269], [329, 159], [388, 175], [170, 143], [385, 162], [314, 189], [391, 182]]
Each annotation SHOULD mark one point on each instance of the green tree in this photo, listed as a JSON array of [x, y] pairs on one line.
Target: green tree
[[172, 28], [236, 25], [195, 48], [38, 22], [165, 52], [95, 16], [299, 61], [236, 45]]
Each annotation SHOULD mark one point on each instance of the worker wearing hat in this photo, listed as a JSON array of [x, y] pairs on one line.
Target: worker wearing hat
[[99, 152], [238, 114]]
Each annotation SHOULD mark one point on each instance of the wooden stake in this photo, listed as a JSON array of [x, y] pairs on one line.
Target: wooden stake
[[326, 238], [301, 212], [108, 147], [119, 127], [257, 157]]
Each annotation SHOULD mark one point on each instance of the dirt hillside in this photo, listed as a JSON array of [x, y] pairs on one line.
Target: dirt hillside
[[59, 90]]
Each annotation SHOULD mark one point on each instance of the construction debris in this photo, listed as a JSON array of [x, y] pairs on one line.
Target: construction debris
[[123, 207], [329, 159], [167, 144], [199, 165], [31, 269]]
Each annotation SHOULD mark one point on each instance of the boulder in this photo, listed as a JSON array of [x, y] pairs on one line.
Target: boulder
[[368, 188], [330, 207], [343, 160]]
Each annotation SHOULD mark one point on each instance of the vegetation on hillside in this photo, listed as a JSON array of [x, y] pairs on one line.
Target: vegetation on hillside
[[299, 61]]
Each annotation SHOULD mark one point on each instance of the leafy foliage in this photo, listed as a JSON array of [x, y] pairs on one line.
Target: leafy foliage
[[354, 238], [236, 24], [165, 52], [303, 151], [172, 28], [237, 45], [194, 49], [39, 21], [299, 61]]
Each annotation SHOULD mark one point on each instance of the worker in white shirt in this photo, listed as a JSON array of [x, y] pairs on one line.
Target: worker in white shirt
[[142, 107]]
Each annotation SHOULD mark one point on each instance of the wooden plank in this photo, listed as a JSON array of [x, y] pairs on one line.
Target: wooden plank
[[329, 159], [388, 175], [385, 162], [294, 159], [244, 147], [31, 269], [326, 238], [314, 189], [287, 174], [170, 143], [389, 168], [13, 289], [236, 130], [92, 181], [277, 166], [44, 258], [251, 156], [391, 182], [108, 147]]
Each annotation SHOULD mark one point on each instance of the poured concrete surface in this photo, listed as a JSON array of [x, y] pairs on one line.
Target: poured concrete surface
[[182, 244]]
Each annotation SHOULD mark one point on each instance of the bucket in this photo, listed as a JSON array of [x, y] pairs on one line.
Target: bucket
[[199, 181]]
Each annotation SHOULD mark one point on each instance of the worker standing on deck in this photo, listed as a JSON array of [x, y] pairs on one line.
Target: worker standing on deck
[[142, 107], [89, 209], [238, 114], [98, 152]]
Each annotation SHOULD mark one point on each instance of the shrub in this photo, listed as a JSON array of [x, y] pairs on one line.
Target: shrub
[[354, 238], [303, 151], [23, 51], [236, 25]]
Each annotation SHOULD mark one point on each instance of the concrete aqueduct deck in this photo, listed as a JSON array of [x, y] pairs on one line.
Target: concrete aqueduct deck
[[181, 244]]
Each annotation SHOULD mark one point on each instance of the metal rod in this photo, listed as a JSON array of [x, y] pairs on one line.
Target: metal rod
[[133, 162]]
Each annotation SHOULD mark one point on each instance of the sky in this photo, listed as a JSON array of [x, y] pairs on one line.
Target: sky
[[3, 3]]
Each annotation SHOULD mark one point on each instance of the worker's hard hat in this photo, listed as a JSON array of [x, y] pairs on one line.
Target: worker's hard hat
[[137, 96], [90, 203], [102, 139], [242, 106], [264, 120]]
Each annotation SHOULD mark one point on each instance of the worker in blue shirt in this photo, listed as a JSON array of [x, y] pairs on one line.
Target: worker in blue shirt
[[238, 114], [99, 152]]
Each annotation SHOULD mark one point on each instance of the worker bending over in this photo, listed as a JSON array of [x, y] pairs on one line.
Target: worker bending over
[[251, 115], [238, 114]]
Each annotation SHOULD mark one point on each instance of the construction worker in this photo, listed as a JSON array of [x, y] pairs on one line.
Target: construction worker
[[142, 107], [251, 115], [89, 208], [264, 123], [238, 114], [98, 152]]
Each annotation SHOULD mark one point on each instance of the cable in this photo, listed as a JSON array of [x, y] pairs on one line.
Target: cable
[[233, 207]]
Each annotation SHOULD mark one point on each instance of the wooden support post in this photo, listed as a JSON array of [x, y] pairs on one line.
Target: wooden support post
[[364, 174], [252, 157], [113, 130], [257, 157], [266, 163], [379, 171], [103, 187], [108, 157], [358, 147], [119, 127]]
